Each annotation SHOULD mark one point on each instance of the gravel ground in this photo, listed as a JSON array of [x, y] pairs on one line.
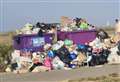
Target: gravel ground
[[60, 75]]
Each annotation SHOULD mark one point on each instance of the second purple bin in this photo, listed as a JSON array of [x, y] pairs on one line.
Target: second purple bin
[[78, 37]]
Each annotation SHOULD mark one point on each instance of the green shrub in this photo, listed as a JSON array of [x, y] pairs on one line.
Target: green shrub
[[5, 51]]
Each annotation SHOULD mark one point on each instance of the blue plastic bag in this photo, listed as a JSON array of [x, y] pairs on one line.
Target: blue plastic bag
[[51, 54], [72, 56]]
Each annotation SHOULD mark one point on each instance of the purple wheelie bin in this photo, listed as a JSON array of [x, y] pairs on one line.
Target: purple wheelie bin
[[78, 37], [31, 42]]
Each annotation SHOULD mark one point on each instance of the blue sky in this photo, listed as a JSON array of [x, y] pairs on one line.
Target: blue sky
[[15, 13]]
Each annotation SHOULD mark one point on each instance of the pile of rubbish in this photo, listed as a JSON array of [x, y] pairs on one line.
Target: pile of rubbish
[[67, 24], [67, 55], [38, 28]]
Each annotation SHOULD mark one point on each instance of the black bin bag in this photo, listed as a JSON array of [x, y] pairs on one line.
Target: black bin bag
[[118, 52], [18, 40], [63, 54], [14, 66]]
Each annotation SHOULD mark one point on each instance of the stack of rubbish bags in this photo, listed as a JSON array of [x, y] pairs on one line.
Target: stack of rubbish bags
[[37, 28], [67, 24], [67, 55]]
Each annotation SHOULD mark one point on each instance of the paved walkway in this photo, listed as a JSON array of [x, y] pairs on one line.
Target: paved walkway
[[60, 75]]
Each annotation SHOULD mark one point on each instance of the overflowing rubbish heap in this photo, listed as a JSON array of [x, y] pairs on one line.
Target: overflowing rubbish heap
[[67, 24], [66, 54]]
